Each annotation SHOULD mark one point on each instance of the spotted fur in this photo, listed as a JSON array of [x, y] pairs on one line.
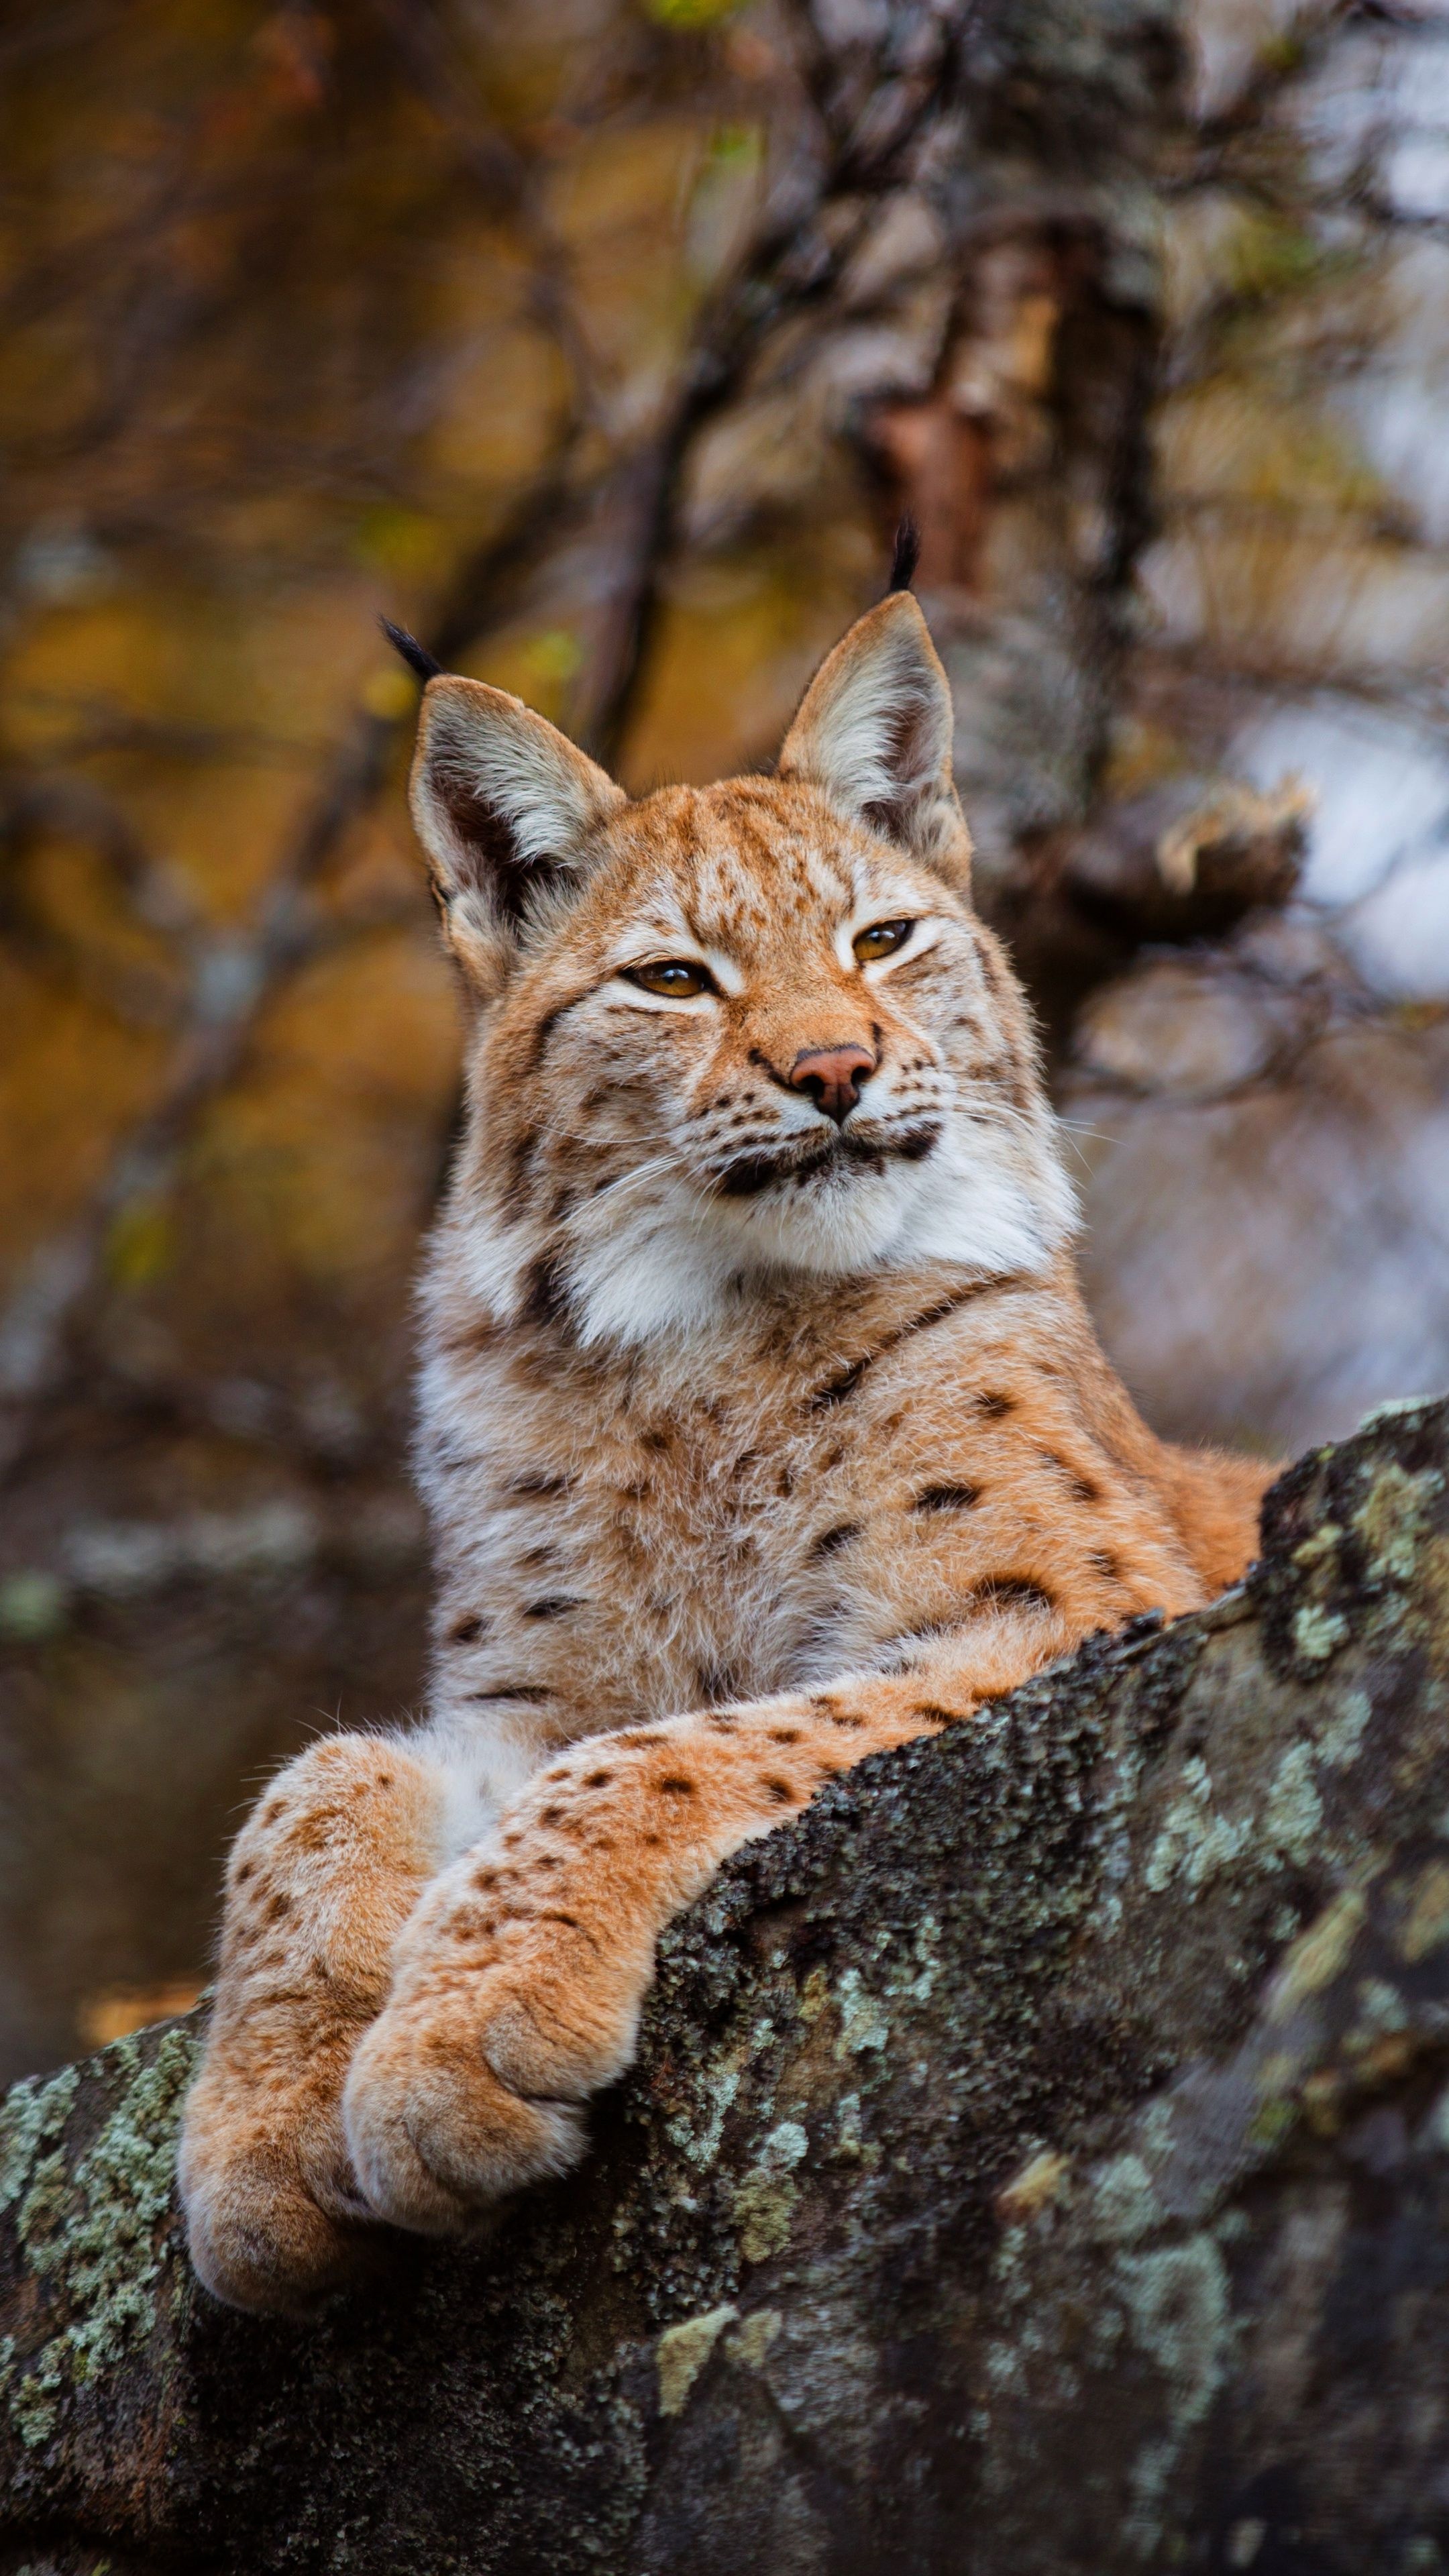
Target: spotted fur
[[754, 1439]]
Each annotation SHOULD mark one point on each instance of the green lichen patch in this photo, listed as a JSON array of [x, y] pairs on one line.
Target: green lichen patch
[[699, 2128], [31, 2114], [1318, 1633], [1344, 1534], [682, 2352], [1195, 1842], [1293, 1812], [753, 2340], [764, 2198], [863, 2023], [93, 2236], [1339, 1733], [1393, 1518], [1178, 2308]]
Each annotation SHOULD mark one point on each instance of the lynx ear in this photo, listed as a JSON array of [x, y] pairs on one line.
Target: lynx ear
[[874, 735], [504, 807]]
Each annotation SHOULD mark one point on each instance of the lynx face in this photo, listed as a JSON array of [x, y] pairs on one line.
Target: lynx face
[[731, 1033]]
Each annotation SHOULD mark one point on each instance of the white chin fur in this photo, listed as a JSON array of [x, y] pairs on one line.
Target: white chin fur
[[985, 1201]]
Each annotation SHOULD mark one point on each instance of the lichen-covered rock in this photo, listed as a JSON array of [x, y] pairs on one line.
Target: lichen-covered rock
[[1038, 2158]]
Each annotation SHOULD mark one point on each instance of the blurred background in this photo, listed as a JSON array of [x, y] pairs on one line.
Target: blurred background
[[602, 344]]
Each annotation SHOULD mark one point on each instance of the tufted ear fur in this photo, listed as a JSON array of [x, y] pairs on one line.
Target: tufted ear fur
[[504, 806], [874, 735]]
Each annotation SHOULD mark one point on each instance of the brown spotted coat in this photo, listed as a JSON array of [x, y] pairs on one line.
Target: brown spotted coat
[[755, 1438]]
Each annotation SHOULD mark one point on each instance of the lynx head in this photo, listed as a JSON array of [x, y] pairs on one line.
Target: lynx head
[[724, 1035]]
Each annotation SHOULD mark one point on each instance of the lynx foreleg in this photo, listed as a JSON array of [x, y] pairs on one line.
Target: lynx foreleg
[[321, 1880], [519, 1980]]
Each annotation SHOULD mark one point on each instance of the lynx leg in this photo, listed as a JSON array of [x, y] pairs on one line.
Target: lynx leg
[[519, 1980], [321, 1880]]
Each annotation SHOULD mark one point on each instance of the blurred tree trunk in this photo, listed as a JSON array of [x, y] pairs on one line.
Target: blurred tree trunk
[[1038, 2158]]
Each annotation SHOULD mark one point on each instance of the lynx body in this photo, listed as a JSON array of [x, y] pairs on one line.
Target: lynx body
[[762, 1427]]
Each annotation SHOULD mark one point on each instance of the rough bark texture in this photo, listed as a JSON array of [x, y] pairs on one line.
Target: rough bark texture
[[1038, 2158]]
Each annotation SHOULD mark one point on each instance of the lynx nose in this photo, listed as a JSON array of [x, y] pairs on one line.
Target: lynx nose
[[833, 1076]]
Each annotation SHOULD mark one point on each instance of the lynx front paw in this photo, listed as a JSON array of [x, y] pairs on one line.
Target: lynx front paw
[[321, 1880], [274, 2220], [469, 2084]]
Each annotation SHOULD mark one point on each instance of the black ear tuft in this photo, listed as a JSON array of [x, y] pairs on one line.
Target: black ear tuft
[[416, 655], [906, 556]]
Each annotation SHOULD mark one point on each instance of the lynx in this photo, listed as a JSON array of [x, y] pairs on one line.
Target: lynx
[[762, 1427]]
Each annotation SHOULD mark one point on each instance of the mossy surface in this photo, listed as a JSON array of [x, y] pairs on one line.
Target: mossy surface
[[1047, 2137]]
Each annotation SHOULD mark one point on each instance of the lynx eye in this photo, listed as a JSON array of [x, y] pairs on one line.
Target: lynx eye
[[677, 978], [881, 940]]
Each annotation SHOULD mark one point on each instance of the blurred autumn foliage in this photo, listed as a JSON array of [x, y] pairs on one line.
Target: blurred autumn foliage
[[308, 316], [601, 344]]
